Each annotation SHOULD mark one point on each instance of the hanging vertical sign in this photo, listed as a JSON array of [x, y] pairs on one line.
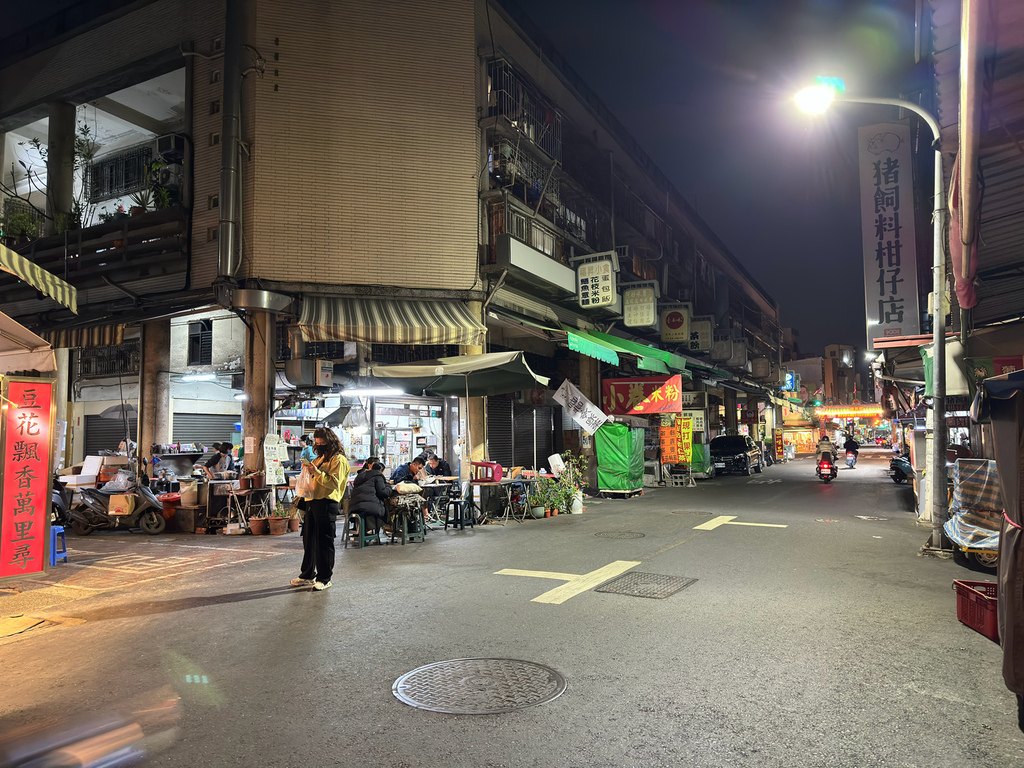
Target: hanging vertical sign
[[275, 452], [780, 447], [701, 336], [675, 323], [595, 284], [676, 437], [640, 306], [887, 226], [582, 411], [25, 464]]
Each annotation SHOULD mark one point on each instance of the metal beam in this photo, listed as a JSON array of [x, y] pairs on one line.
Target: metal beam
[[129, 115]]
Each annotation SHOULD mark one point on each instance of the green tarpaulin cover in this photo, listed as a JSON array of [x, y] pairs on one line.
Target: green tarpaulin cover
[[700, 458], [620, 458]]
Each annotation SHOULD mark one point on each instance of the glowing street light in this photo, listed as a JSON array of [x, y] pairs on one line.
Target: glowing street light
[[816, 100]]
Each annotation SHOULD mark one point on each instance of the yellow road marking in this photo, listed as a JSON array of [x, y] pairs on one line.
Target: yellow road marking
[[576, 583], [716, 522]]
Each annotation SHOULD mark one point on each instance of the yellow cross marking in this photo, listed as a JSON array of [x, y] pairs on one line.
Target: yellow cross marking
[[577, 583], [716, 522]]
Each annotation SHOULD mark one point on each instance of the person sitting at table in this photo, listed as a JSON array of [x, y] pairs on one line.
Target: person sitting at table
[[220, 462], [369, 492], [407, 473], [437, 466]]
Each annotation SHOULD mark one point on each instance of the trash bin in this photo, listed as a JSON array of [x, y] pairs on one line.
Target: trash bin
[[171, 501]]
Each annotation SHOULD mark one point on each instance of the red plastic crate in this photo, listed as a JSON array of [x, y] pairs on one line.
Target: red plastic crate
[[976, 606]]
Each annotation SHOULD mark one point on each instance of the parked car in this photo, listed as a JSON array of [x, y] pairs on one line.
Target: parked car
[[736, 453]]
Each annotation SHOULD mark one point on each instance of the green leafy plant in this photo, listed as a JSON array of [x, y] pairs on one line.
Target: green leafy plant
[[85, 149], [544, 493], [19, 224]]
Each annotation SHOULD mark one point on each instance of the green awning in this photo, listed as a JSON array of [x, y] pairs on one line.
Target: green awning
[[668, 360], [586, 345], [645, 360]]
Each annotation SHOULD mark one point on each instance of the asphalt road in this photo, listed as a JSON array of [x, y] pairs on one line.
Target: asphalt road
[[827, 642]]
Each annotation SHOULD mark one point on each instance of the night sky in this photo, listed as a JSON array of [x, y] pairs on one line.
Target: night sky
[[706, 87]]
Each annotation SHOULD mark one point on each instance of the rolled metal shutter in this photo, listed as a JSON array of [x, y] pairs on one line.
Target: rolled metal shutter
[[522, 430], [106, 434], [499, 430], [203, 428]]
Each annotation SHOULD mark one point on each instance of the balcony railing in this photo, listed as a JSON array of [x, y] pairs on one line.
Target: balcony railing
[[123, 360], [508, 220], [529, 113], [134, 248]]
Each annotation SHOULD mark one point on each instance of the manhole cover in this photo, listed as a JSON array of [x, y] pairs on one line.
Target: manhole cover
[[620, 535], [646, 585], [478, 686]]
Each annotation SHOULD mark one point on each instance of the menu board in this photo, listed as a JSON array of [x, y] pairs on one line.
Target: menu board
[[275, 454], [676, 440]]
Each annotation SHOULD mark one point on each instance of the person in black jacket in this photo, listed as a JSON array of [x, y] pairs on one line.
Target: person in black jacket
[[369, 491]]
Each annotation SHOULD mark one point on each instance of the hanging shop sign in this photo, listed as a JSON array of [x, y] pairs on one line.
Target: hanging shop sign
[[848, 412], [780, 447], [582, 411], [702, 334], [618, 396], [696, 420], [25, 464], [640, 306], [887, 227], [676, 436], [675, 323], [275, 453], [693, 400], [664, 399], [595, 284]]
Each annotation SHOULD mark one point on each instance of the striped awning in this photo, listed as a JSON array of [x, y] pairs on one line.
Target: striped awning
[[39, 278], [97, 336], [389, 321]]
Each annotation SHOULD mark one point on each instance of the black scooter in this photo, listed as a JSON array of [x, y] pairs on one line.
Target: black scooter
[[826, 470], [96, 514], [60, 503]]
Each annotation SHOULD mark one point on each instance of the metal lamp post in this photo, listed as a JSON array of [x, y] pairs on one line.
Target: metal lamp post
[[816, 100]]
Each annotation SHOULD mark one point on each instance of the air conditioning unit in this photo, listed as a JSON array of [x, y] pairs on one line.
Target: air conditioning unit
[[739, 357], [721, 347], [170, 176], [309, 373], [171, 148], [761, 367]]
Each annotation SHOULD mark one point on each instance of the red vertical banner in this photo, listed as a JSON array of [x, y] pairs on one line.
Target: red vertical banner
[[25, 461]]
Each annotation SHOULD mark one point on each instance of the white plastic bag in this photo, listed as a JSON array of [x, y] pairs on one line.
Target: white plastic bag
[[304, 485]]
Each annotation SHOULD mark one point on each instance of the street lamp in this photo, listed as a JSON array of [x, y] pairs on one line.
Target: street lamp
[[816, 100]]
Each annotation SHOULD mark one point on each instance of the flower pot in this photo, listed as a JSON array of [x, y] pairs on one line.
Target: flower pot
[[537, 512], [258, 525], [278, 526], [547, 512], [256, 481], [243, 483], [118, 243], [293, 524], [137, 210], [576, 505]]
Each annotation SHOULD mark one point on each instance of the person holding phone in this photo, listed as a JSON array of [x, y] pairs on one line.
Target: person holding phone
[[328, 473]]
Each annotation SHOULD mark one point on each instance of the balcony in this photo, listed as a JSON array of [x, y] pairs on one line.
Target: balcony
[[102, 362], [153, 245], [526, 111]]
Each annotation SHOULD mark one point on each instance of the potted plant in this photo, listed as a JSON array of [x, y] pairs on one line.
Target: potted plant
[[141, 201], [258, 525], [571, 482], [20, 227], [537, 498]]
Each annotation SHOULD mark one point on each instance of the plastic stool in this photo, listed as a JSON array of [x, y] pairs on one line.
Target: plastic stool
[[55, 531], [356, 534]]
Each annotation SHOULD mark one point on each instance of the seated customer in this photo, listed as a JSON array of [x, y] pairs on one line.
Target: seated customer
[[407, 473], [438, 466], [369, 491]]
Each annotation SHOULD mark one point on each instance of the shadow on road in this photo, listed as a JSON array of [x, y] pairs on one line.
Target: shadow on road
[[182, 604]]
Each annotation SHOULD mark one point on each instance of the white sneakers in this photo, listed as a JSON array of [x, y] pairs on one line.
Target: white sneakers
[[301, 582], [319, 586]]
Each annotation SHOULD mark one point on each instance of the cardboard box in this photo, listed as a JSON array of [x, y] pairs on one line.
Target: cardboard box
[[91, 465], [121, 504], [79, 481], [115, 461]]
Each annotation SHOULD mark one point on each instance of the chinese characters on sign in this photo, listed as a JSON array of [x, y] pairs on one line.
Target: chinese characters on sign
[[696, 420], [275, 451], [675, 324], [665, 399], [639, 307], [780, 448], [887, 221], [595, 284], [25, 511], [582, 411], [676, 440], [618, 396], [701, 337]]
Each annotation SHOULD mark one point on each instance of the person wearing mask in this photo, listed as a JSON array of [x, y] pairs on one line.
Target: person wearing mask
[[328, 472], [370, 491], [220, 462], [407, 473]]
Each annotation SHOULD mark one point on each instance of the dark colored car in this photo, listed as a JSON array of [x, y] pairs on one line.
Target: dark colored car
[[736, 453]]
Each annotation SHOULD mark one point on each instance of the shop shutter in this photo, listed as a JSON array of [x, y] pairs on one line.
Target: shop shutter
[[522, 430], [203, 428], [106, 434], [499, 430]]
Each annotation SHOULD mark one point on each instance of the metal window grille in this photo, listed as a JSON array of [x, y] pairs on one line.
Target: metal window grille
[[200, 342], [122, 359], [120, 174], [411, 353], [510, 97]]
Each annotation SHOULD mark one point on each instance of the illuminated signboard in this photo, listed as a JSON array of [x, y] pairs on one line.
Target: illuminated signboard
[[639, 307], [25, 461], [675, 323], [702, 334], [849, 411], [595, 284]]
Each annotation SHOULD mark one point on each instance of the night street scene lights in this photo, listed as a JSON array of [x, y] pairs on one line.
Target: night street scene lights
[[816, 100]]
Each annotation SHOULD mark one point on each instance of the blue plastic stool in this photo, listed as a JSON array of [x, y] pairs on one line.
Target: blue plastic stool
[[55, 531]]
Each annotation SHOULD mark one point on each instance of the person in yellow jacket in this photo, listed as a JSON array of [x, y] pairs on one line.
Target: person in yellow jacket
[[328, 473]]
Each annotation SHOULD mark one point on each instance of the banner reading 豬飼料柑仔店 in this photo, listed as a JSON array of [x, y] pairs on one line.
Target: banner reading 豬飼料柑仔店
[[887, 226]]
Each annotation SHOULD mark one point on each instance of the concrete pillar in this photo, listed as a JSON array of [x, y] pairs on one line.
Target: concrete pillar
[[62, 378], [731, 424], [60, 166], [260, 370], [473, 412], [154, 387]]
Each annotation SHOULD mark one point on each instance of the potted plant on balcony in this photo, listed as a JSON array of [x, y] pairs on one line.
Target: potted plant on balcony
[[19, 227], [141, 200]]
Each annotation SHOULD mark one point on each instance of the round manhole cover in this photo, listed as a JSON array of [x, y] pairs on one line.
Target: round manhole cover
[[620, 535], [478, 686]]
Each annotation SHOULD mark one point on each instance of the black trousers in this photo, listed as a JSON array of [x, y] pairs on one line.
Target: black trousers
[[318, 531]]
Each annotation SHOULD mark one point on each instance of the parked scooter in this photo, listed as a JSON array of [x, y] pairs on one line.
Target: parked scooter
[[851, 459], [145, 511], [60, 503], [900, 469]]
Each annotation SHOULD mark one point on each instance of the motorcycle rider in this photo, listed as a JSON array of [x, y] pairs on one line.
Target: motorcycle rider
[[825, 449], [852, 446]]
